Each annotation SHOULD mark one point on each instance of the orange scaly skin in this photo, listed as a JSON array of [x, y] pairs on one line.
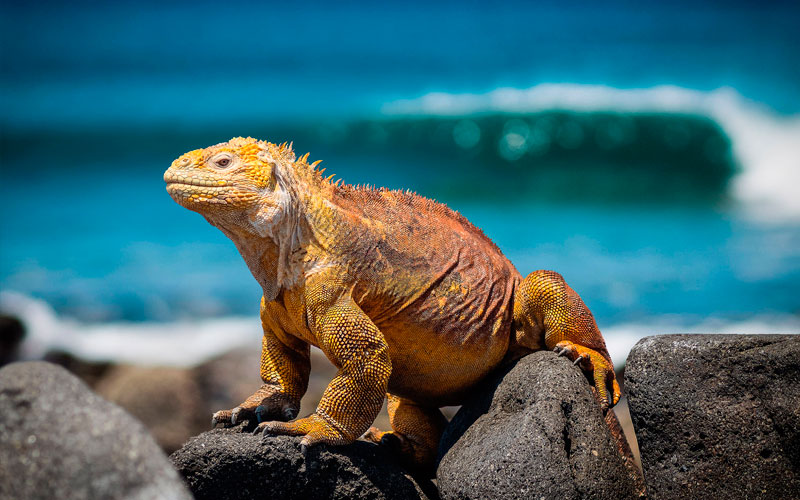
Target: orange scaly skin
[[403, 295]]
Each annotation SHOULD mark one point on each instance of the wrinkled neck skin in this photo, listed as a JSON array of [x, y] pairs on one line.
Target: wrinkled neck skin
[[275, 237]]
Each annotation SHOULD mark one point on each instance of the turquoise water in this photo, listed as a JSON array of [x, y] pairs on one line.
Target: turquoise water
[[101, 243], [671, 202]]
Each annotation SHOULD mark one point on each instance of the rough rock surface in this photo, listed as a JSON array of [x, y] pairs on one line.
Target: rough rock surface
[[533, 431], [60, 440], [717, 416], [227, 464]]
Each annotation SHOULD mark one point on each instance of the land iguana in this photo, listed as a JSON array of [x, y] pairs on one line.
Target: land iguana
[[405, 297]]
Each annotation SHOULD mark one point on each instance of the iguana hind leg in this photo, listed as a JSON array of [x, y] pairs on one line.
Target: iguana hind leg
[[415, 434], [549, 314]]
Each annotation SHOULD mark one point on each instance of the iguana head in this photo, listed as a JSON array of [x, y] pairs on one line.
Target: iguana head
[[232, 182], [255, 192], [227, 176]]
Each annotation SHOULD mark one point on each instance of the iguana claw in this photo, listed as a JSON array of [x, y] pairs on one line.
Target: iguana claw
[[235, 415], [599, 369], [221, 417], [313, 428]]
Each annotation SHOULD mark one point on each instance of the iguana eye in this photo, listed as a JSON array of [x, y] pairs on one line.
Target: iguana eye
[[222, 161]]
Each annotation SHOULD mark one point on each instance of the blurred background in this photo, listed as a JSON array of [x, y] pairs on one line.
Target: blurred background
[[649, 153]]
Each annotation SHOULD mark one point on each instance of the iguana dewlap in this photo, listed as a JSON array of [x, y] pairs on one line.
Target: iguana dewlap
[[403, 295]]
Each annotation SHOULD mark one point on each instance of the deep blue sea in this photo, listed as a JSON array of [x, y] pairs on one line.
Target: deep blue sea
[[649, 153]]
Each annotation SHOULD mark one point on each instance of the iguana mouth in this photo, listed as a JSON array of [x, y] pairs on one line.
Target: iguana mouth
[[174, 179], [196, 185], [185, 189], [186, 194]]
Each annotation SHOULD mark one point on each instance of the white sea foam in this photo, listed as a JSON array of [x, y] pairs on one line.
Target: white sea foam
[[178, 343], [766, 144], [186, 343]]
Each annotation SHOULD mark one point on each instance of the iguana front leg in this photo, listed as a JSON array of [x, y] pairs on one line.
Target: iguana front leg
[[354, 397], [544, 305], [285, 366]]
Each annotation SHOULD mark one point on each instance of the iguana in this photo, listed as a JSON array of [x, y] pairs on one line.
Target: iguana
[[405, 297]]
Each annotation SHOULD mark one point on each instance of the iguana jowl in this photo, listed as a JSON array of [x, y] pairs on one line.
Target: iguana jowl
[[403, 295]]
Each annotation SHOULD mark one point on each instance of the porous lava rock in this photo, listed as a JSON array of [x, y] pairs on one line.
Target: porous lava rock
[[229, 464], [534, 430], [717, 416]]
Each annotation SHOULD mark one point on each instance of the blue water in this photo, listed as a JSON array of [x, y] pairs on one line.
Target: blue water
[[99, 98]]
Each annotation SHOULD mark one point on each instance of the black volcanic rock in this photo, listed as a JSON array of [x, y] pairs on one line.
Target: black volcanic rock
[[227, 464], [717, 416], [534, 431]]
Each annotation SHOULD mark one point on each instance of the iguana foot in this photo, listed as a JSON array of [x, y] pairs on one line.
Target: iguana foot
[[601, 370], [393, 441], [314, 429], [222, 417], [266, 404], [249, 416], [374, 435], [229, 418], [233, 417], [415, 435], [416, 457], [398, 445]]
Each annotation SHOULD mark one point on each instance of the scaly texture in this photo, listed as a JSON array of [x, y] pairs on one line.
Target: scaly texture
[[403, 295]]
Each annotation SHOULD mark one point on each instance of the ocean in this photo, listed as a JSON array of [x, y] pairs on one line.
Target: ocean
[[650, 154]]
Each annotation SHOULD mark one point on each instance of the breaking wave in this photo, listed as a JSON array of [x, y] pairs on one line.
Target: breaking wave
[[765, 173], [176, 343]]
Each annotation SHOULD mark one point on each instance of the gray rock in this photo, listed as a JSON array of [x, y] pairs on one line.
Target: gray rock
[[60, 440], [533, 431], [227, 464], [717, 416]]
